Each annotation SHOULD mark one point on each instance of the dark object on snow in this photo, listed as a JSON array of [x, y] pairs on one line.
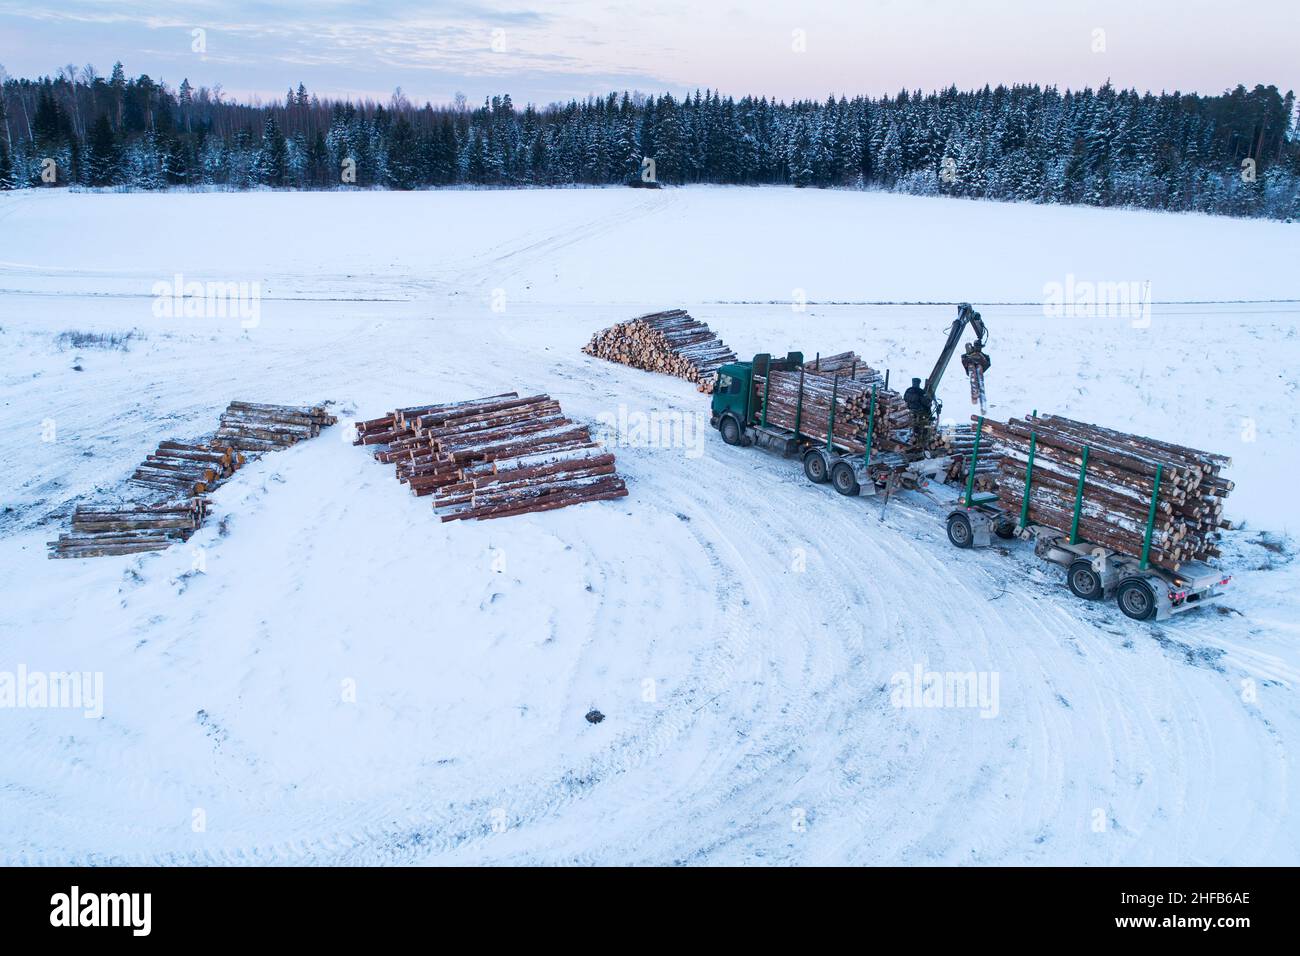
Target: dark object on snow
[[594, 716]]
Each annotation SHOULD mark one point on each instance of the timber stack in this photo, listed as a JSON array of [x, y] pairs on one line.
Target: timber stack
[[116, 528], [493, 457], [185, 470], [958, 441], [251, 426], [846, 365], [805, 397], [1124, 492], [671, 342], [178, 474]]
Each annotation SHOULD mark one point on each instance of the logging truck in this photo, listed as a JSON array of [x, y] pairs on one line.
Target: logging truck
[[739, 414], [1142, 590]]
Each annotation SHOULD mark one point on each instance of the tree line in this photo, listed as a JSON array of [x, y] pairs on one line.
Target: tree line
[[1237, 153]]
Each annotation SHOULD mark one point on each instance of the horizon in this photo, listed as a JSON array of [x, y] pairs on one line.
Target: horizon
[[557, 52]]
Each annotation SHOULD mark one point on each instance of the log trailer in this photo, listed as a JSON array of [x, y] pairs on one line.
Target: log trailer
[[739, 415], [1143, 591]]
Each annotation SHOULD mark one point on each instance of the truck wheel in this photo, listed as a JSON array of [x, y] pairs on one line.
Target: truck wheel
[[1084, 581], [814, 466], [959, 532], [844, 480], [730, 429], [1006, 530], [1136, 599]]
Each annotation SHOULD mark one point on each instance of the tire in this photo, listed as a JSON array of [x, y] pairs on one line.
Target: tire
[[1136, 599], [814, 466], [730, 429], [844, 480], [959, 531], [1084, 581], [1006, 530]]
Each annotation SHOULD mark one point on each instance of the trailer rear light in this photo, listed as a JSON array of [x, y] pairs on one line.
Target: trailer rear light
[[1226, 580], [1177, 597]]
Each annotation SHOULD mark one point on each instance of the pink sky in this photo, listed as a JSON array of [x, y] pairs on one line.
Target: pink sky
[[554, 50]]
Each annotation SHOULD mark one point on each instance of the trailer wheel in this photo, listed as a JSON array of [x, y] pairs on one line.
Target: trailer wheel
[[730, 429], [844, 480], [1136, 599], [959, 531], [1006, 530], [814, 466], [1084, 581]]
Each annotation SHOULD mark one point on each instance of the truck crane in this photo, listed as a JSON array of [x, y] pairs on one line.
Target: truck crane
[[1142, 591], [923, 400]]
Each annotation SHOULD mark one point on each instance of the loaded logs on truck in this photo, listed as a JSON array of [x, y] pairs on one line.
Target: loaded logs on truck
[[493, 457], [671, 342], [861, 400], [108, 529], [1124, 492], [959, 442]]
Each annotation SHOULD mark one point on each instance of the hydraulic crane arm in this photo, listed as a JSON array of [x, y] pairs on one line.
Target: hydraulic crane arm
[[965, 316], [923, 401]]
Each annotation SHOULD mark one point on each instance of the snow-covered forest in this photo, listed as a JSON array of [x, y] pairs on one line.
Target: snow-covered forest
[[1237, 153]]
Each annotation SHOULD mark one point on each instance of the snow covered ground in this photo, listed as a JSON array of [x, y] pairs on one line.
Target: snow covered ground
[[348, 680]]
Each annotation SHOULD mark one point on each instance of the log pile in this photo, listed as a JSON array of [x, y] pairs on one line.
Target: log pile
[[671, 342], [1117, 487], [108, 529], [845, 365], [802, 402], [178, 474], [850, 381], [250, 426], [185, 470], [958, 441], [493, 457]]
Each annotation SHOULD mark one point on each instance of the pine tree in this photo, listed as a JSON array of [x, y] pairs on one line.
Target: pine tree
[[102, 158], [273, 162]]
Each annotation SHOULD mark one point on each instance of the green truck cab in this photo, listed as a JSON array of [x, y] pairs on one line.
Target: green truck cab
[[736, 403]]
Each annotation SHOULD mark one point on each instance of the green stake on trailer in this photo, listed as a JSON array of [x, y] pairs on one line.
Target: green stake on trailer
[[1151, 521], [871, 428], [1078, 498], [974, 457], [1029, 474], [767, 385], [798, 407], [830, 425]]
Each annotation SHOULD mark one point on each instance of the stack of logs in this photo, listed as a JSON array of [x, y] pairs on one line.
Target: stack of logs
[[99, 530], [250, 426], [1117, 487], [844, 364], [959, 442], [493, 457], [850, 381], [177, 475], [182, 470], [670, 342]]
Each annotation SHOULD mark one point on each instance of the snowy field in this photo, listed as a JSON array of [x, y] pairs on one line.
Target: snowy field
[[740, 629]]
